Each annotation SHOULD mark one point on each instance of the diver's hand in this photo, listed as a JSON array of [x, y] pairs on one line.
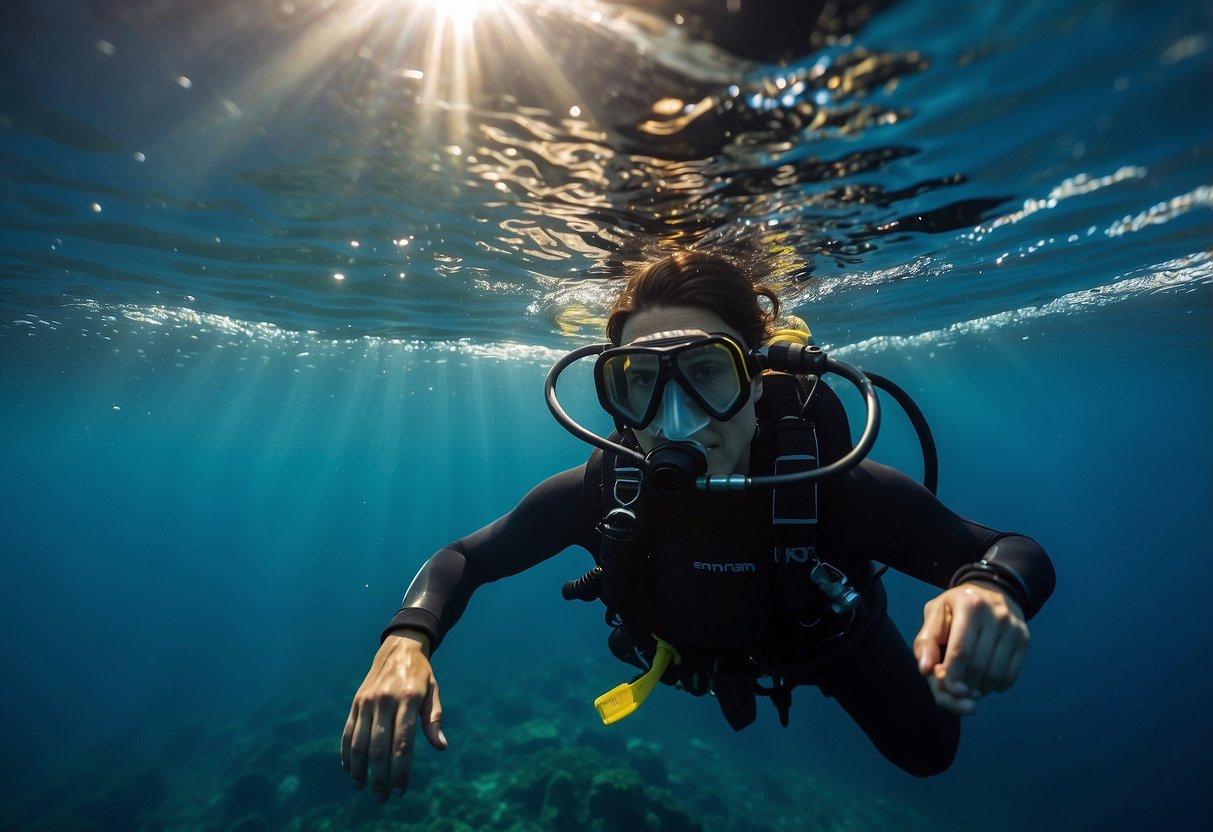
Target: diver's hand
[[398, 688], [973, 641]]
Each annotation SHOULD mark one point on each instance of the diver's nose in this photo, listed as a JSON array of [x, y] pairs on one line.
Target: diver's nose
[[679, 417]]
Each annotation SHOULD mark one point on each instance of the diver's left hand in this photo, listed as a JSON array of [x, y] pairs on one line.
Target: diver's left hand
[[973, 642]]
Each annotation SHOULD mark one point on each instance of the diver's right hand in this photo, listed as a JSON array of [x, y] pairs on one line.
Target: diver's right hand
[[398, 688]]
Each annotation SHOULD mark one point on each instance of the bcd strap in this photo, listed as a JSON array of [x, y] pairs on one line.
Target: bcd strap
[[794, 508], [623, 575]]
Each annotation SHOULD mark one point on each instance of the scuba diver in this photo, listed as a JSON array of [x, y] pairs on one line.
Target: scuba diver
[[739, 541]]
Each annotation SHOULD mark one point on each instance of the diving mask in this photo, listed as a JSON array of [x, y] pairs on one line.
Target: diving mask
[[674, 383], [670, 382]]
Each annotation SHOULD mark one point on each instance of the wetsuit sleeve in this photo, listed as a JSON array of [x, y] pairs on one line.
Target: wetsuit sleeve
[[549, 519], [892, 519]]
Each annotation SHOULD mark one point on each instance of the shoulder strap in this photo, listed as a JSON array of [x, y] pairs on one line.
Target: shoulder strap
[[826, 412], [794, 508], [610, 482], [810, 430], [612, 491]]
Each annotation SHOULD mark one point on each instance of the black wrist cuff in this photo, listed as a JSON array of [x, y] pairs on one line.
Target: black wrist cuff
[[412, 618], [1006, 579]]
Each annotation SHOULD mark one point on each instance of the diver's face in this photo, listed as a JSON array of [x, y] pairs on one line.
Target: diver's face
[[727, 443]]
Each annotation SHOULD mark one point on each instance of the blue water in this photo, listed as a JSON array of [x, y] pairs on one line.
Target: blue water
[[231, 435]]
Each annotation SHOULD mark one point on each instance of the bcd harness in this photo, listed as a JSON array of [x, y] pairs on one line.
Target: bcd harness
[[820, 613]]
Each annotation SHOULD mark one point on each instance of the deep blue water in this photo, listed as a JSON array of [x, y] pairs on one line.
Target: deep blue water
[[222, 463]]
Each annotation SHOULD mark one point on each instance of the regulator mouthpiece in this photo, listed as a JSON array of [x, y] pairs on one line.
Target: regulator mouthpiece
[[673, 467]]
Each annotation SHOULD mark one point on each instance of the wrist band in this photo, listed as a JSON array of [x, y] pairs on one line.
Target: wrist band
[[1006, 579]]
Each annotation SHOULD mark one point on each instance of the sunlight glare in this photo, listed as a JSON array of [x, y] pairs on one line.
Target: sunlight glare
[[378, 65], [461, 14]]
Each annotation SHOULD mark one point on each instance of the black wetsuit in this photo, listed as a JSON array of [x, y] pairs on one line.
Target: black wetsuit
[[716, 585]]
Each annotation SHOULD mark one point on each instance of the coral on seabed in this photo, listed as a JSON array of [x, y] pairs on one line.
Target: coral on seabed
[[516, 763]]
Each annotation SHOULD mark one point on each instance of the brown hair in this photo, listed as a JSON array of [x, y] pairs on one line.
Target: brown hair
[[707, 281]]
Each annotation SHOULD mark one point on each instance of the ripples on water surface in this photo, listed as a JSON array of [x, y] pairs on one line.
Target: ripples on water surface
[[317, 166]]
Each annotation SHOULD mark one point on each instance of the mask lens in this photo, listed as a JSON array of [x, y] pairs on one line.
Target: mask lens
[[712, 370], [630, 383]]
